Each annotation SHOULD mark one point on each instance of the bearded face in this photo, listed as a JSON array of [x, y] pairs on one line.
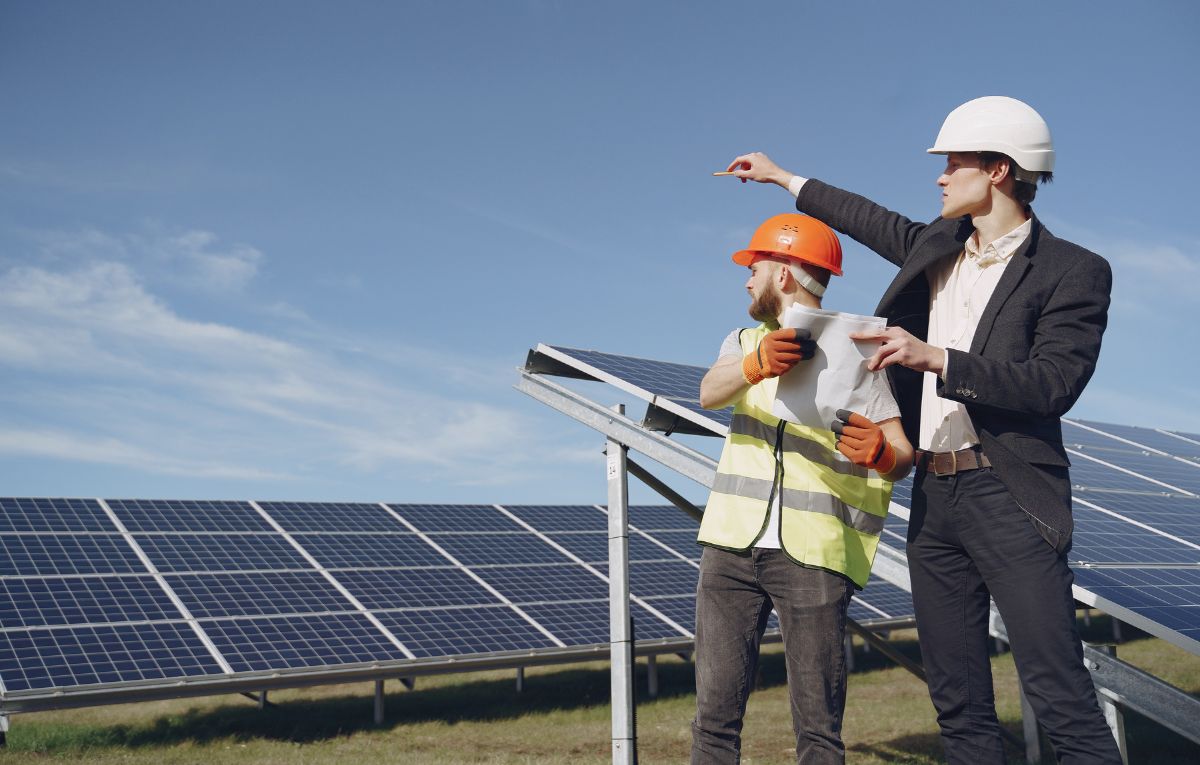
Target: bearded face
[[766, 301]]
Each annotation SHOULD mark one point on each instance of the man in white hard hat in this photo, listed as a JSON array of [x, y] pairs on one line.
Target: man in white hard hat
[[994, 330], [791, 524]]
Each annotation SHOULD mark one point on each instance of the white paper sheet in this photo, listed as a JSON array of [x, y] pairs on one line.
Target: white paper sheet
[[836, 377]]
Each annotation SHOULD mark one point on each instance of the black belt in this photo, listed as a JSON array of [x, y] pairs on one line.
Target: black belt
[[949, 463]]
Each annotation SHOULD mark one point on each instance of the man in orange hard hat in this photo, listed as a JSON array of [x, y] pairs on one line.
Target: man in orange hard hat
[[795, 512], [995, 328]]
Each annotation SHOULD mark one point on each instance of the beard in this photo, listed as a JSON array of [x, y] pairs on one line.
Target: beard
[[766, 307]]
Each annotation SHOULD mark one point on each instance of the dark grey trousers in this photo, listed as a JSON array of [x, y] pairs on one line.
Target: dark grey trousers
[[734, 597], [968, 538]]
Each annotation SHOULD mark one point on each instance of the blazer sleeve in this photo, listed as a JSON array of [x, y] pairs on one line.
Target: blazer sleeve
[[1061, 360], [888, 233]]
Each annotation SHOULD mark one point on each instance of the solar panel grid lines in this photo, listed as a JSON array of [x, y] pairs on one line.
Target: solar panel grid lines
[[209, 551], [174, 597], [212, 595], [472, 574], [1156, 440], [72, 601], [82, 515], [634, 598], [1106, 463], [304, 641], [1139, 524], [1188, 438], [93, 654], [331, 517], [174, 516], [358, 606], [58, 554], [359, 550]]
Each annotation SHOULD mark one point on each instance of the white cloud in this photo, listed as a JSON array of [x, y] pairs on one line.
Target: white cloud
[[142, 386], [77, 447], [194, 259]]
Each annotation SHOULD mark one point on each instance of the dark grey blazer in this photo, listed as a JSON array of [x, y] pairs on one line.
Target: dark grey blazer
[[1034, 350]]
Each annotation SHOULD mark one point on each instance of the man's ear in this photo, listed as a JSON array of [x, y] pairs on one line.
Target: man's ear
[[999, 171], [784, 278]]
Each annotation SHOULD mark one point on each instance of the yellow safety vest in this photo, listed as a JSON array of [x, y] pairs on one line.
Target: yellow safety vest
[[832, 510]]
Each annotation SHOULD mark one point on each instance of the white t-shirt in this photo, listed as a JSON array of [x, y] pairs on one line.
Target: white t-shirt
[[883, 407]]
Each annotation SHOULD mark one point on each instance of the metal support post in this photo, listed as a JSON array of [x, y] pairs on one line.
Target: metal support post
[[652, 676], [379, 702], [262, 699], [4, 721], [409, 683], [620, 646], [1116, 630], [1031, 729], [1112, 713], [520, 679]]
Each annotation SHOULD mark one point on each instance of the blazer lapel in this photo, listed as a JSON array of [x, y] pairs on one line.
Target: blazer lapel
[[944, 245], [1013, 273]]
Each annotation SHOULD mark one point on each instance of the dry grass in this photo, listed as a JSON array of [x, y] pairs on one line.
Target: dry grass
[[562, 717]]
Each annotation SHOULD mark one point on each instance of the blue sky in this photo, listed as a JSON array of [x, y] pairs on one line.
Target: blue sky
[[296, 250]]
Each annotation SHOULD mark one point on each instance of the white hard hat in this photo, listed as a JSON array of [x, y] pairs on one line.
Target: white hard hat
[[1001, 124]]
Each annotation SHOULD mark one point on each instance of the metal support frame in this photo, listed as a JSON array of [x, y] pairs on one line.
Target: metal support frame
[[620, 640], [520, 679], [1121, 683], [652, 676], [378, 702]]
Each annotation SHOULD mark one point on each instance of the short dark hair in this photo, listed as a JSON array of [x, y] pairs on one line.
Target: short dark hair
[[1023, 191]]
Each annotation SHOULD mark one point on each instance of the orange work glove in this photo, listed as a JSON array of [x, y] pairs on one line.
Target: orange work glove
[[863, 442], [776, 353]]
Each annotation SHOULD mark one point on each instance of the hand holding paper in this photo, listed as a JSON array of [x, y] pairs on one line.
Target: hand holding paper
[[897, 346], [776, 353]]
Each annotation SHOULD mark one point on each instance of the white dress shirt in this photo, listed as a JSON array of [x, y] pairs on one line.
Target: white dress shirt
[[958, 293]]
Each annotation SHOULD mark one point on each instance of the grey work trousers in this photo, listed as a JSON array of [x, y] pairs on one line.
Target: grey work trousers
[[734, 598]]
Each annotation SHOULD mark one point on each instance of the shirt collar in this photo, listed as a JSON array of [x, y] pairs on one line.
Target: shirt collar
[[1000, 250]]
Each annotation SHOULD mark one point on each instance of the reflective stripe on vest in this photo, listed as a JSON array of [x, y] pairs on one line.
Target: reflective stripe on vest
[[832, 510]]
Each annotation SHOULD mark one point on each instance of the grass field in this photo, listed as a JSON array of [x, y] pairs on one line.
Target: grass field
[[562, 716]]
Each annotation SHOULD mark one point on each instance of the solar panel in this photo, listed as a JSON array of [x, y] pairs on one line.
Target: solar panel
[[331, 516], [361, 551], [432, 518], [53, 515], [68, 657], [1178, 445], [674, 389], [292, 642], [545, 583], [257, 593], [65, 554], [83, 600], [219, 552], [1167, 514], [455, 631], [183, 515], [415, 588], [548, 518], [499, 549], [227, 594]]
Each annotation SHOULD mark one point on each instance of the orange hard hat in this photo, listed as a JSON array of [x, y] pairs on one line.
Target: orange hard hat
[[795, 236]]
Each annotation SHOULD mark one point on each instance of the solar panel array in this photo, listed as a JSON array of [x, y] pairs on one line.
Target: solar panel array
[[1136, 552], [132, 591]]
